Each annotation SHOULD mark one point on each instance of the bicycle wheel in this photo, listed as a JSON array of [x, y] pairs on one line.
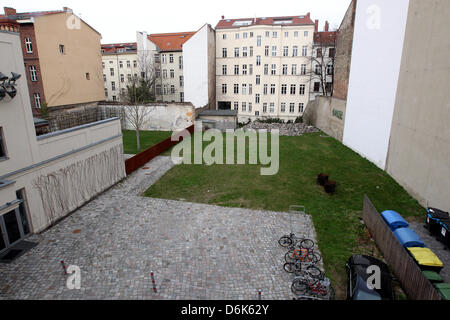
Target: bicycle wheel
[[289, 267], [307, 244], [290, 257], [299, 286], [316, 257], [285, 241], [314, 272]]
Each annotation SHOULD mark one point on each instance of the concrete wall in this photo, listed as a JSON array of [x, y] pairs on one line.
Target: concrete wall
[[419, 148], [59, 171], [161, 116], [376, 56], [344, 44], [64, 75], [326, 114]]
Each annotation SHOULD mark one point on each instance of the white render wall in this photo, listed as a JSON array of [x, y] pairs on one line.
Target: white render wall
[[112, 61], [376, 57], [195, 68]]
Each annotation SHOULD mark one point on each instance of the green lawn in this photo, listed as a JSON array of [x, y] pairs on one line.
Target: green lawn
[[337, 218], [148, 139]]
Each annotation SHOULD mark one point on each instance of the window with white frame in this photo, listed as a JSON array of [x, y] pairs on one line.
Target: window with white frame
[[286, 34], [224, 70], [293, 86], [264, 107], [106, 92], [265, 89], [172, 89], [303, 69], [163, 58], [295, 33], [244, 51], [113, 86], [224, 52], [251, 51], [258, 41], [249, 107], [180, 62], [267, 34], [37, 100], [284, 69], [318, 69], [257, 98], [244, 88], [283, 88], [285, 51], [266, 51], [258, 60], [172, 73], [283, 107], [294, 69], [302, 89], [291, 107], [244, 69], [236, 52], [300, 107], [33, 73], [236, 105], [305, 33], [224, 88], [164, 73], [111, 71], [274, 69], [272, 88], [171, 58], [266, 69], [224, 36], [236, 88], [158, 89], [250, 69], [304, 51], [295, 51], [250, 88], [181, 96], [258, 79], [244, 35], [104, 77], [28, 45], [236, 36], [121, 64], [244, 107], [274, 34], [128, 64], [274, 51], [165, 89], [236, 69], [122, 78], [181, 81], [272, 107]]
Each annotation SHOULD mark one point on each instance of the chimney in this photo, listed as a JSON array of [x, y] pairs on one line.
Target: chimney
[[316, 25], [68, 10], [9, 11], [308, 15], [326, 26], [223, 17]]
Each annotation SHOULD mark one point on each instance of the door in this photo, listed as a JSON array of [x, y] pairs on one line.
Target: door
[[13, 226]]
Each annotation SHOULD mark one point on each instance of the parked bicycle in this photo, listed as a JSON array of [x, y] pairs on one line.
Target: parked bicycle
[[302, 269], [291, 239], [302, 255], [308, 286]]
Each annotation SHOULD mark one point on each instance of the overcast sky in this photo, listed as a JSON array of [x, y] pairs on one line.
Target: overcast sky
[[118, 21]]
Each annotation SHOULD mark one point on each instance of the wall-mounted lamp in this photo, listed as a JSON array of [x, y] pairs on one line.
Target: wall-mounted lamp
[[10, 86]]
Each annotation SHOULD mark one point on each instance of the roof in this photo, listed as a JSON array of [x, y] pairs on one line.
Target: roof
[[244, 22], [115, 47], [170, 41], [325, 37]]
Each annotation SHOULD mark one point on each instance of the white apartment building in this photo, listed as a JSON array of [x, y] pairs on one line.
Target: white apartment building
[[120, 64], [262, 66]]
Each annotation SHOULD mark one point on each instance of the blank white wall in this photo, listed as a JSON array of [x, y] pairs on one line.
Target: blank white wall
[[195, 68], [375, 65]]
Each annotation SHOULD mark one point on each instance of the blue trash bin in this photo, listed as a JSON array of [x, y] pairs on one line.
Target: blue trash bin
[[408, 238], [394, 220]]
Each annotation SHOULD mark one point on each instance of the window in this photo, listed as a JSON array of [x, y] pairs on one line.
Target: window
[[123, 91], [171, 58], [180, 62], [258, 79], [300, 107], [163, 58], [283, 107], [265, 89], [319, 52], [129, 75], [236, 69], [302, 89], [111, 71], [236, 36], [285, 51], [114, 98], [283, 88], [244, 88], [157, 58], [286, 34], [122, 78], [258, 41], [331, 52], [250, 88], [113, 86], [291, 107], [257, 98], [244, 107], [294, 51], [128, 64], [157, 72], [251, 34], [258, 60], [266, 69], [37, 100], [305, 33], [28, 45], [264, 108], [274, 69], [284, 69], [106, 92], [244, 69], [135, 63], [172, 89], [294, 69], [224, 88], [249, 107], [236, 105], [244, 35], [104, 77], [274, 51], [293, 88], [224, 70], [304, 51], [88, 77], [330, 69], [251, 51], [165, 90], [33, 73], [181, 81], [267, 34], [224, 36], [316, 86], [236, 52], [224, 52], [244, 51], [236, 88], [303, 69], [295, 33], [164, 74], [120, 64], [256, 113], [158, 89], [272, 107], [172, 73], [181, 96], [103, 65], [61, 49], [272, 89], [266, 51], [274, 34], [329, 86], [318, 69], [250, 69]]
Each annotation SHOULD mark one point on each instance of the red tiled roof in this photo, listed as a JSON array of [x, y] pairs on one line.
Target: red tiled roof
[[113, 47], [296, 20], [325, 37], [170, 41], [25, 15]]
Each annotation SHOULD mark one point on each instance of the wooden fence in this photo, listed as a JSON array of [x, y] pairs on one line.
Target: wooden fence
[[413, 281], [145, 156]]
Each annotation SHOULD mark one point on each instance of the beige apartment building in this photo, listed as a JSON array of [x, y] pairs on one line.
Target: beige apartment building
[[120, 65], [62, 57], [262, 66]]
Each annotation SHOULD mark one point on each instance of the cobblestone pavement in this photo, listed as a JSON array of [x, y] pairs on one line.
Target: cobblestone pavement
[[196, 251], [436, 246]]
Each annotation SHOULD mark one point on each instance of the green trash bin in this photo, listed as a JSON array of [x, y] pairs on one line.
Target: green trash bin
[[443, 289], [432, 276]]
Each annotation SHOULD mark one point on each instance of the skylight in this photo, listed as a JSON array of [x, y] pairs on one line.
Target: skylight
[[242, 23]]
